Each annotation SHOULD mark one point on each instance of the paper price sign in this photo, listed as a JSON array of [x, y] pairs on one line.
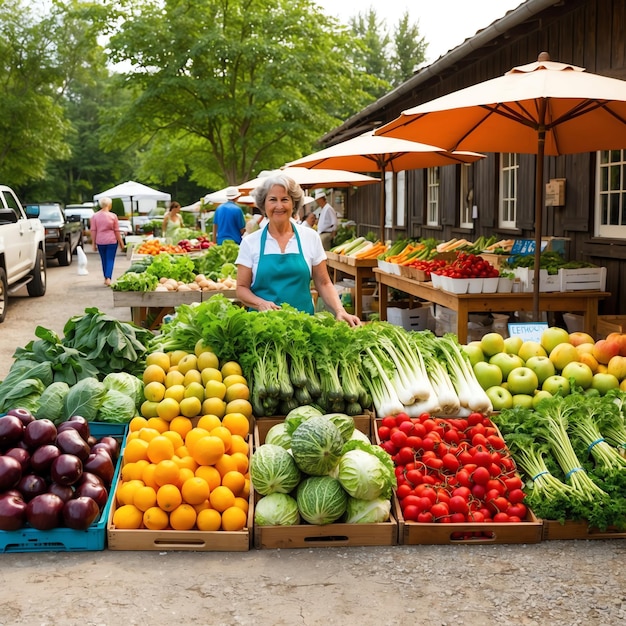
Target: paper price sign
[[528, 331]]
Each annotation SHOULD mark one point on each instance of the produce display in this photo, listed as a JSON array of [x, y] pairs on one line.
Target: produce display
[[52, 476], [156, 246], [185, 464], [452, 470], [294, 359], [549, 260], [468, 266], [318, 469]]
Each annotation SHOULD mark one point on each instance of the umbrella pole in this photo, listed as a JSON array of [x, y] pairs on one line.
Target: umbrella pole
[[539, 210], [382, 205]]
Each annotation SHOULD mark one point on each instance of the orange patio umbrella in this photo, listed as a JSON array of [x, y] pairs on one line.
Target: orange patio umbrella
[[543, 108], [372, 153]]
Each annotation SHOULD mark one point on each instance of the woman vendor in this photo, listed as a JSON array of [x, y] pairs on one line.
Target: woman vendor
[[275, 264]]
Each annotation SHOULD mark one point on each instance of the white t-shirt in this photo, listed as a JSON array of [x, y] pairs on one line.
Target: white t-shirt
[[327, 219], [250, 248]]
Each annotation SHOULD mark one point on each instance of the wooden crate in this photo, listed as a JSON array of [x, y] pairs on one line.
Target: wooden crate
[[330, 535], [583, 279], [608, 324], [554, 531], [360, 262], [497, 260]]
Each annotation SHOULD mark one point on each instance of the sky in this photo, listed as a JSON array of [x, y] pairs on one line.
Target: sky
[[444, 23]]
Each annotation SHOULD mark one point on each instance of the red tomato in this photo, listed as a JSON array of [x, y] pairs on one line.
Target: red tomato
[[500, 517], [492, 483], [462, 492], [389, 421], [413, 441], [450, 463], [451, 436], [481, 475], [405, 455], [520, 510], [513, 482], [458, 504], [479, 491], [457, 518], [384, 432], [426, 517], [406, 427], [418, 429], [439, 509], [403, 490], [415, 477], [516, 496], [476, 516], [410, 513], [482, 457], [474, 418]]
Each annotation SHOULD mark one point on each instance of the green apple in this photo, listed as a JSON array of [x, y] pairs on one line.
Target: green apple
[[522, 380], [474, 352], [617, 367], [579, 372], [506, 362], [562, 354], [531, 348], [539, 396], [487, 375], [524, 400], [552, 337], [491, 344], [542, 366], [513, 344], [500, 398], [556, 385], [603, 382]]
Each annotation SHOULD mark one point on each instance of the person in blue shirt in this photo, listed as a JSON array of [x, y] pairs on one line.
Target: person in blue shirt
[[228, 220]]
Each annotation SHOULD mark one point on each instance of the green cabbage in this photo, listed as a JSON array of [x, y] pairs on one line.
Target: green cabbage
[[272, 469], [359, 436], [276, 509], [278, 436], [321, 499], [85, 398], [126, 383], [116, 407], [343, 422], [296, 416], [52, 402], [367, 511], [316, 446]]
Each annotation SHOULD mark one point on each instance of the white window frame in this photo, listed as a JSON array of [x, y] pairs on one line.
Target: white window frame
[[388, 199], [466, 200], [433, 182], [507, 205], [610, 190], [401, 199]]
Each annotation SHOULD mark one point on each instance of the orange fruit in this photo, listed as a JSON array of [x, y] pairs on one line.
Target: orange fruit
[[224, 434], [241, 461], [135, 450], [185, 474], [231, 367], [175, 438], [193, 435], [246, 489], [185, 462], [166, 473], [126, 491], [209, 422], [148, 476], [233, 518], [225, 464], [237, 391], [195, 490], [127, 516], [155, 518], [153, 373], [242, 503], [148, 434], [160, 448], [144, 498], [183, 517], [221, 498], [237, 424], [210, 474], [135, 470], [209, 519], [203, 505], [168, 497], [181, 425], [137, 423], [158, 424], [239, 406], [238, 444], [235, 481], [207, 450]]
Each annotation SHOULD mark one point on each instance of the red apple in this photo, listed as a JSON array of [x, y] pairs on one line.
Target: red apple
[[604, 349], [620, 338], [577, 338]]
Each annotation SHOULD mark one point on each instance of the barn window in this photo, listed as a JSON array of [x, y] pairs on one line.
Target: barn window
[[509, 167], [611, 194], [432, 203]]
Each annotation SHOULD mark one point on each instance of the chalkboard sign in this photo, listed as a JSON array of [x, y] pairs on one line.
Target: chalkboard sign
[[528, 331]]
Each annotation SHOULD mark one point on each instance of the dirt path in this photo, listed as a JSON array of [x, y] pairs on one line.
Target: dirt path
[[556, 583]]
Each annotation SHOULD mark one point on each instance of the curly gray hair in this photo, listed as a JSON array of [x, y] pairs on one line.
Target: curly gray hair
[[287, 183]]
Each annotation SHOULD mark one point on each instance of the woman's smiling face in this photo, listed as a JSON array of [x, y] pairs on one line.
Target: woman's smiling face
[[278, 204]]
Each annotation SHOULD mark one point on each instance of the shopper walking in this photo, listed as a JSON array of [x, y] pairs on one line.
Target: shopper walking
[[105, 235], [228, 220]]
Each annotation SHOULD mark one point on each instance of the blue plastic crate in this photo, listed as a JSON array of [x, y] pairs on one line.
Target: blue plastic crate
[[66, 539]]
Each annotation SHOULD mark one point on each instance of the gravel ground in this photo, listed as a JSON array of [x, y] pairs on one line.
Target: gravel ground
[[560, 583]]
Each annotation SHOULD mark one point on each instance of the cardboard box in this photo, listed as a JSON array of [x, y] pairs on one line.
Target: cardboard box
[[554, 531], [337, 534], [410, 319], [555, 192]]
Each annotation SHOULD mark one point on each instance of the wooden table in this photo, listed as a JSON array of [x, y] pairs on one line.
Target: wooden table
[[162, 303], [585, 302], [360, 269]]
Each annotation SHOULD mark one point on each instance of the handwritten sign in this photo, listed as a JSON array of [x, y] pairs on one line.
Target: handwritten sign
[[528, 331]]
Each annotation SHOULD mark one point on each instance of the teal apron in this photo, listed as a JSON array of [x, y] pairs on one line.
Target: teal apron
[[284, 278]]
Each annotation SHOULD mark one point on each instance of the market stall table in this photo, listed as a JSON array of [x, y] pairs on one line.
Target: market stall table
[[360, 269], [162, 302], [585, 302]]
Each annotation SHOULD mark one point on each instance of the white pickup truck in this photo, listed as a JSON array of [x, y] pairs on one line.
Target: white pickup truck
[[22, 250]]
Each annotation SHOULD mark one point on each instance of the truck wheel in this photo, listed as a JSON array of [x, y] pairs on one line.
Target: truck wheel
[[65, 256], [37, 286], [4, 294]]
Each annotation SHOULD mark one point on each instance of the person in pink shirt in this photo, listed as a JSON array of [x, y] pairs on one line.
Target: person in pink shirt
[[105, 235]]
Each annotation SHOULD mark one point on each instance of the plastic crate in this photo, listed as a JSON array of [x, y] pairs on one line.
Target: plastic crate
[[66, 539]]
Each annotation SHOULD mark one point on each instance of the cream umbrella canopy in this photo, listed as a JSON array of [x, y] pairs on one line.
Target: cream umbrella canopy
[[542, 108], [372, 153]]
